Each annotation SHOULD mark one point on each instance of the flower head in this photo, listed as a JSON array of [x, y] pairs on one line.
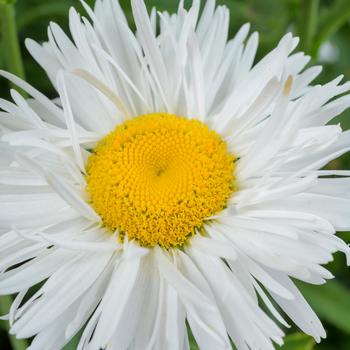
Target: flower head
[[172, 180], [156, 178]]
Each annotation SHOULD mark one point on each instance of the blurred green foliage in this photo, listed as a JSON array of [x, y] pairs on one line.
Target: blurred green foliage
[[298, 341], [323, 26]]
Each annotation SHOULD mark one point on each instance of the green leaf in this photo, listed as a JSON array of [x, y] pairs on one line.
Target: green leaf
[[193, 345], [331, 302], [298, 341], [9, 41], [73, 344], [331, 20], [17, 344], [192, 341], [34, 14], [7, 2], [308, 23]]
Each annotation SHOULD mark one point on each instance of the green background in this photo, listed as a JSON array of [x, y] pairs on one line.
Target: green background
[[315, 21]]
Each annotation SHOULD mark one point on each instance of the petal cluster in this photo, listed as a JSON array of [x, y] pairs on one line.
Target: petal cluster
[[280, 225]]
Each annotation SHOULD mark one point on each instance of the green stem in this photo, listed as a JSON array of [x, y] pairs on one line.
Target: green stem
[[9, 42], [5, 304], [308, 24]]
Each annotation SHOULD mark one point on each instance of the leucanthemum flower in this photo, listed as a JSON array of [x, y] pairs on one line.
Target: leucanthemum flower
[[172, 181]]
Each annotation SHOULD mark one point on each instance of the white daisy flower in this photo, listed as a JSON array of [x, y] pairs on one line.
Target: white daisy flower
[[172, 181]]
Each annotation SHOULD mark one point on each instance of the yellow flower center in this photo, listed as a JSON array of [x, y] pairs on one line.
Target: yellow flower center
[[157, 177]]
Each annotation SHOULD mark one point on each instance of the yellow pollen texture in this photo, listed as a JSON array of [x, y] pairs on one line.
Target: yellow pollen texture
[[157, 177]]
